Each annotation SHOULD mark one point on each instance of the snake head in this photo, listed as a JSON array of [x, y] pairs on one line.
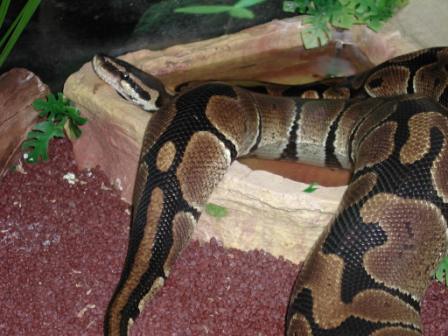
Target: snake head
[[131, 83]]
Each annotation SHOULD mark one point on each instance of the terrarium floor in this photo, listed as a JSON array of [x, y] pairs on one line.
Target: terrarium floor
[[62, 246]]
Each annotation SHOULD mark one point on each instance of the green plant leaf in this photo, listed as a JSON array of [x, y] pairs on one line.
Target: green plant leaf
[[51, 108], [15, 30], [441, 272], [302, 6], [241, 13], [36, 144], [341, 14], [342, 17], [311, 188], [215, 210], [375, 25], [203, 9], [248, 3], [61, 115], [74, 115], [155, 15], [57, 108], [289, 6], [8, 33], [238, 10], [345, 21], [4, 5], [315, 37]]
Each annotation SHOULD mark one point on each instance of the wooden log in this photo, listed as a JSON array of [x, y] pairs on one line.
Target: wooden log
[[18, 89], [264, 210]]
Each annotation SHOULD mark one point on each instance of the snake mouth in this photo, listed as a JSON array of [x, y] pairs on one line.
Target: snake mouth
[[107, 70], [127, 81]]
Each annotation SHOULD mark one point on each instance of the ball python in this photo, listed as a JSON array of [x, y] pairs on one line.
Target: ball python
[[368, 270]]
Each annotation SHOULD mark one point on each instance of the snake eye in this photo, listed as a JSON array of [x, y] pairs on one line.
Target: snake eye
[[125, 76]]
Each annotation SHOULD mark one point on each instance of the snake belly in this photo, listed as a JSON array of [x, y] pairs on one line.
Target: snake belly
[[368, 270]]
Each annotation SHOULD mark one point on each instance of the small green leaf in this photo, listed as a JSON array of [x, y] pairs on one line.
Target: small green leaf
[[73, 114], [302, 6], [289, 6], [313, 37], [56, 108], [61, 115], [203, 9], [311, 188], [441, 272], [52, 108], [241, 13], [215, 210], [39, 104], [248, 3], [343, 19], [155, 15], [36, 144], [374, 24], [238, 10], [341, 14]]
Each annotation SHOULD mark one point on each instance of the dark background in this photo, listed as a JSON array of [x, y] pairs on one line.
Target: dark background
[[64, 34]]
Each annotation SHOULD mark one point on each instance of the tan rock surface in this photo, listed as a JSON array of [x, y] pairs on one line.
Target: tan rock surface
[[265, 211], [18, 89], [268, 212]]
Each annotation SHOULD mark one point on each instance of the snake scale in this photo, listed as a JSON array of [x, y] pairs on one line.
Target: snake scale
[[368, 270]]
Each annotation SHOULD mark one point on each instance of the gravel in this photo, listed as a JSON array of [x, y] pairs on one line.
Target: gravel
[[62, 243]]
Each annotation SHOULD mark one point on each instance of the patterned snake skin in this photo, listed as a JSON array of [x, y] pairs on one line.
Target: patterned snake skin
[[368, 270]]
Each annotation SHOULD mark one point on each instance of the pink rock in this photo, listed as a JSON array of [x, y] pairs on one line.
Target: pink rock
[[18, 89]]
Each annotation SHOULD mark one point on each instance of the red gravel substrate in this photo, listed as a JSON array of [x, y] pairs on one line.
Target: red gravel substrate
[[61, 250]]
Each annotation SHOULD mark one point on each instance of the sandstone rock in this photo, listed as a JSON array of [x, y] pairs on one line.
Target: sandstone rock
[[268, 212], [270, 52], [265, 211], [18, 89]]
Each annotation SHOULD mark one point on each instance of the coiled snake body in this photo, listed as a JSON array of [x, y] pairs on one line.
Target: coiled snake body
[[368, 270]]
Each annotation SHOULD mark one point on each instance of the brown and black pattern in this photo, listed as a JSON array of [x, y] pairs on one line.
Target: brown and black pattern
[[366, 273]]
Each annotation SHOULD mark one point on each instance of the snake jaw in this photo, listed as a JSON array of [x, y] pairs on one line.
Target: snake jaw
[[127, 83]]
